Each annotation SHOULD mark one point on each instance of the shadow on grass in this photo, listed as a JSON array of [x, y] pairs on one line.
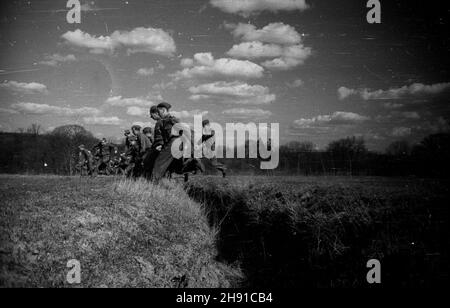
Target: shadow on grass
[[322, 235]]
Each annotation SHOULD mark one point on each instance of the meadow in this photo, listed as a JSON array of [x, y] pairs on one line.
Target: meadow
[[214, 232]]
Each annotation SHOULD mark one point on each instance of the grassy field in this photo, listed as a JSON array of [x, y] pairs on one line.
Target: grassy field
[[214, 232], [124, 234]]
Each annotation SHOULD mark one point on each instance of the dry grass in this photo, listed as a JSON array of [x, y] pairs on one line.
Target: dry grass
[[320, 232], [124, 233]]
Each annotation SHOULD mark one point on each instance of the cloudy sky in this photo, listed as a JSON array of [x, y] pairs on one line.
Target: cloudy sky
[[316, 67]]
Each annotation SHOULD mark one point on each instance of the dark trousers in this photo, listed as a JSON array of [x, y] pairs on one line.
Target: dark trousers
[[90, 166], [163, 162], [149, 162]]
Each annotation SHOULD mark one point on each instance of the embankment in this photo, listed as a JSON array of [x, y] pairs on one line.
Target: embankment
[[124, 234]]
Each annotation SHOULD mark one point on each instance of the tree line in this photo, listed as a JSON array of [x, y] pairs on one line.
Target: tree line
[[30, 151]]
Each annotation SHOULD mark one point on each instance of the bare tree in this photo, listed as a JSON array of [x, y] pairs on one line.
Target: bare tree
[[349, 149], [34, 129]]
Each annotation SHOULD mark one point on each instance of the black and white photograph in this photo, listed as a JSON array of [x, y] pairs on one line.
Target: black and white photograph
[[218, 147]]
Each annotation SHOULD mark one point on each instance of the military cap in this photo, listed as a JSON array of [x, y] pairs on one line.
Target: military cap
[[127, 132], [81, 146], [136, 127], [132, 138], [205, 122], [165, 105], [153, 109], [147, 130]]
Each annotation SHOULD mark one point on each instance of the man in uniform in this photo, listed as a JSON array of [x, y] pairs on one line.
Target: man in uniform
[[86, 159], [163, 141], [144, 142], [144, 145], [209, 147], [127, 135], [131, 157], [152, 154], [103, 152], [148, 132]]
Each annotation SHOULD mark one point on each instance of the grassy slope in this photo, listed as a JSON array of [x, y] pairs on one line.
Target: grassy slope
[[125, 234], [307, 231]]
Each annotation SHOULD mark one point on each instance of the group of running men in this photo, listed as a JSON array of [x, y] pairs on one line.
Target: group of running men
[[149, 151]]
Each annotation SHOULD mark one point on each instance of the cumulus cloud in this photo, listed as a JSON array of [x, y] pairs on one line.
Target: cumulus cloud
[[243, 113], [278, 41], [145, 72], [398, 116], [401, 131], [24, 88], [410, 115], [186, 62], [291, 57], [103, 121], [416, 90], [57, 59], [274, 33], [230, 88], [233, 92], [204, 65], [9, 111], [390, 105], [250, 7], [44, 109], [255, 50], [139, 40], [337, 118], [137, 111], [150, 71], [296, 83], [119, 101], [96, 45]]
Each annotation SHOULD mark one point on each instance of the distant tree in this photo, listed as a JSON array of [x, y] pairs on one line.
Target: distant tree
[[348, 150], [66, 141], [432, 155], [399, 148], [71, 131], [437, 144], [34, 129], [299, 147], [351, 146], [297, 156]]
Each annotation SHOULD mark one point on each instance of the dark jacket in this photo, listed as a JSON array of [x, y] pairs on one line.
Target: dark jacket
[[144, 143], [157, 135], [163, 130]]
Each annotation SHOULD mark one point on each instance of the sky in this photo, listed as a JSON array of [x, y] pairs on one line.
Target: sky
[[316, 67]]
